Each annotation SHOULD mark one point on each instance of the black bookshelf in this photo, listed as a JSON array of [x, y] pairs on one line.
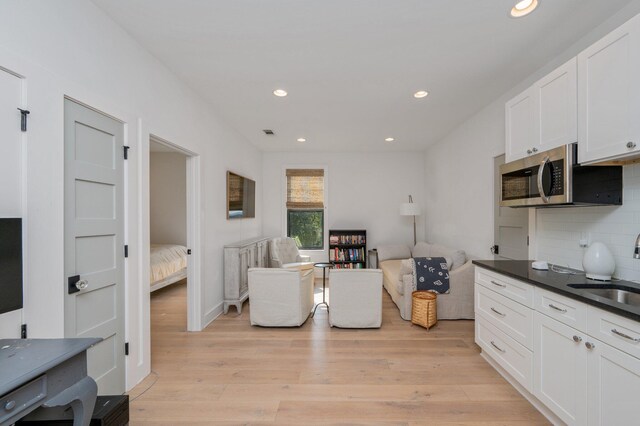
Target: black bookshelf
[[348, 248]]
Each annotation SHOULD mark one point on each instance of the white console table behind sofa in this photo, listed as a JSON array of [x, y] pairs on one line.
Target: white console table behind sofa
[[238, 258]]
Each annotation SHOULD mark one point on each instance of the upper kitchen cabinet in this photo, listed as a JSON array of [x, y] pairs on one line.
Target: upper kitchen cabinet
[[545, 115], [609, 96], [522, 130]]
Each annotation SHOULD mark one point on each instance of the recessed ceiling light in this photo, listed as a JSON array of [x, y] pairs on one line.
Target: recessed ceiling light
[[523, 8], [281, 93], [301, 140], [420, 94], [389, 139]]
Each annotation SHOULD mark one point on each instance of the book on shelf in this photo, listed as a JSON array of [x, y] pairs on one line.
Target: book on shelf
[[351, 254], [347, 239]]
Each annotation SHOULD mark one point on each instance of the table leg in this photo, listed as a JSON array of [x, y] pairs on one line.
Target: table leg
[[324, 302], [82, 398]]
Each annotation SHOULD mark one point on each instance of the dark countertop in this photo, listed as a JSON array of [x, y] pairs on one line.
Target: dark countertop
[[558, 283]]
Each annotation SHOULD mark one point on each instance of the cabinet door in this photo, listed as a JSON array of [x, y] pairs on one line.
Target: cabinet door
[[558, 97], [560, 369], [614, 386], [522, 125], [609, 95]]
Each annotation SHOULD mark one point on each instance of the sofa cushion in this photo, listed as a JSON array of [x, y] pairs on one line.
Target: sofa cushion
[[393, 251], [458, 257]]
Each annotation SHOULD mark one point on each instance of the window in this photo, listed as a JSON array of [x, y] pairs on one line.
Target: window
[[305, 207]]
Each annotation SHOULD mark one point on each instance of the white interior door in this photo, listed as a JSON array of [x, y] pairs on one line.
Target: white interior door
[[511, 226], [94, 247], [10, 173]]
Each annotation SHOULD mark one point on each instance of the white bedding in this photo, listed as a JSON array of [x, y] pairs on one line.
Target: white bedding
[[166, 260]]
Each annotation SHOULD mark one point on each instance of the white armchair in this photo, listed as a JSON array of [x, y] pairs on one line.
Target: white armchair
[[280, 297], [356, 298], [284, 253]]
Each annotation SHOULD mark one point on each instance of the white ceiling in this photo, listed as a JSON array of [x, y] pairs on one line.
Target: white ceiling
[[352, 66]]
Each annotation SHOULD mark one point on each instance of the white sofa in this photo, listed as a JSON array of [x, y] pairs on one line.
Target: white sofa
[[280, 297], [356, 298], [398, 279]]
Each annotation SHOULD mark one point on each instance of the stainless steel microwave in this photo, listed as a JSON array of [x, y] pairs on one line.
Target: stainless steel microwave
[[554, 179]]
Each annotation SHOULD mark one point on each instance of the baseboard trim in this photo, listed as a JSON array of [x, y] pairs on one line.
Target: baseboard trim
[[211, 315], [525, 393]]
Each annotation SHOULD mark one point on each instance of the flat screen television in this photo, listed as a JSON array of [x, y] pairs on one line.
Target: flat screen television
[[241, 197], [10, 264]]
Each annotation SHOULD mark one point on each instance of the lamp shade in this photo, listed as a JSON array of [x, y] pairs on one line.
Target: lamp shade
[[409, 209]]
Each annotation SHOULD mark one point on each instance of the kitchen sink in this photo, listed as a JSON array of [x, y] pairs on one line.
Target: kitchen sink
[[622, 294]]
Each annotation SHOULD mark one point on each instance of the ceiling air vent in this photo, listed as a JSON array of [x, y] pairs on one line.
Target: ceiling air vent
[[268, 132]]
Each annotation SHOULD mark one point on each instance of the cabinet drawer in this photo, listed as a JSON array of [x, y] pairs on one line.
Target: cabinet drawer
[[621, 333], [23, 398], [506, 286], [563, 309], [509, 354], [510, 317]]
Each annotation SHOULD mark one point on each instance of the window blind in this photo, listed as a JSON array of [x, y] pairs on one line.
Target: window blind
[[305, 188]]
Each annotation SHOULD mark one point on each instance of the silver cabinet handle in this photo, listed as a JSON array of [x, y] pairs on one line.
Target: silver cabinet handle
[[82, 284], [498, 312], [498, 284], [631, 145], [534, 149], [543, 163], [529, 152], [497, 347], [577, 339], [564, 311], [625, 336], [589, 345]]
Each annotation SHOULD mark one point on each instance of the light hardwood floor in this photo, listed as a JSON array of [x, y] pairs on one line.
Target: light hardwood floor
[[401, 374]]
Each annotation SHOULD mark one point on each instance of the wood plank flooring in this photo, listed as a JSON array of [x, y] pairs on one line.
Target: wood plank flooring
[[401, 374]]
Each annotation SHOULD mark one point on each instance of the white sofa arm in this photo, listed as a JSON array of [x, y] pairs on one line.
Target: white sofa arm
[[303, 258]]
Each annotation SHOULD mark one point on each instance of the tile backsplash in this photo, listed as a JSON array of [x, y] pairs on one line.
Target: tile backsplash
[[559, 231]]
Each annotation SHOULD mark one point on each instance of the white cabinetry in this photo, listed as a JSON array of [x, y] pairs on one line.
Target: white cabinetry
[[560, 369], [238, 258], [522, 129], [578, 364], [544, 116], [609, 95]]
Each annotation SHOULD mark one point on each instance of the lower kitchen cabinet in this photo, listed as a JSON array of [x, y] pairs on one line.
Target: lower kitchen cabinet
[[613, 386], [560, 369], [577, 363]]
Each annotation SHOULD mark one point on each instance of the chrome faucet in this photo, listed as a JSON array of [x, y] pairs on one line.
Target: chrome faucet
[[636, 252]]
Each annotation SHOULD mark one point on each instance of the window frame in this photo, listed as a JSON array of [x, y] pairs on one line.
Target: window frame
[[316, 254]]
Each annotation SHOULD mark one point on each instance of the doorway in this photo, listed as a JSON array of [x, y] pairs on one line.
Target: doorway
[[174, 231], [511, 225]]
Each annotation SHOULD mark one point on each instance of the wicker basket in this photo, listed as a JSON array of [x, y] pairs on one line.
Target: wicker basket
[[423, 308]]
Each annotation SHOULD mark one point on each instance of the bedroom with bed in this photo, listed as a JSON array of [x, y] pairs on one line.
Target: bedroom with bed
[[168, 228]]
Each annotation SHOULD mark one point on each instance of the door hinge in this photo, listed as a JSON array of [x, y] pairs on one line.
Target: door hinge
[[126, 250], [495, 249], [126, 348], [527, 240], [23, 118], [126, 152], [23, 331], [188, 251]]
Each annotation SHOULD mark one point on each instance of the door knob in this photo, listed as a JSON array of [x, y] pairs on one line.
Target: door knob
[[577, 339], [535, 149], [529, 152], [82, 284], [589, 345], [631, 145]]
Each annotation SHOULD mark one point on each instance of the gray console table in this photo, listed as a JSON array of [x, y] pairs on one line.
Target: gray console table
[[45, 373]]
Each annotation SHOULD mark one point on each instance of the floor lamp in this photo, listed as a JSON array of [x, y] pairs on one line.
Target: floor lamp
[[411, 209]]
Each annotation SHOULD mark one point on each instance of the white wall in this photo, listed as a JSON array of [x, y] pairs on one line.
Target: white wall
[[459, 168], [365, 191], [560, 230], [168, 198], [69, 47]]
